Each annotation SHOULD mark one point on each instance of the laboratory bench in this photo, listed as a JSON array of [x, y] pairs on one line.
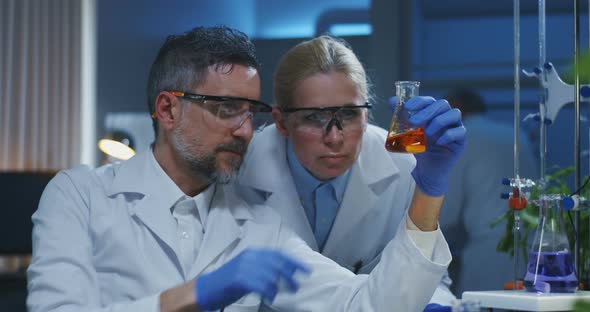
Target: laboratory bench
[[520, 300]]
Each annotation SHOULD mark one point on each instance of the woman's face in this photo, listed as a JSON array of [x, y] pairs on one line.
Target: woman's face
[[326, 152]]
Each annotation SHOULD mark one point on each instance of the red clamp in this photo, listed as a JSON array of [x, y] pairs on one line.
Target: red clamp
[[516, 202]]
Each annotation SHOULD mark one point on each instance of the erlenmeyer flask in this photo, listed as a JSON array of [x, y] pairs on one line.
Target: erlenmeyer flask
[[403, 138], [550, 268]]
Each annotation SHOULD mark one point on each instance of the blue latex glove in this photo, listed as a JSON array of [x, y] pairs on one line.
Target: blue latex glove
[[253, 270], [433, 307], [445, 137]]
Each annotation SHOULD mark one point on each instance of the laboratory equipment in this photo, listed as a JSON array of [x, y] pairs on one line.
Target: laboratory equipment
[[402, 137], [575, 203], [553, 269], [554, 94], [516, 201], [550, 267], [520, 194], [558, 92]]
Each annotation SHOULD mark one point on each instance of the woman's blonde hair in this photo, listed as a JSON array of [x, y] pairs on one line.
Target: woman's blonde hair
[[323, 54]]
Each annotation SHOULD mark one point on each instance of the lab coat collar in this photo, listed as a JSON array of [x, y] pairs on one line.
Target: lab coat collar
[[270, 146], [375, 167], [272, 178], [223, 227], [227, 199], [357, 203], [142, 174]]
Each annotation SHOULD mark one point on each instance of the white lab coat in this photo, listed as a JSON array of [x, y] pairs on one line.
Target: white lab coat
[[105, 240], [376, 199]]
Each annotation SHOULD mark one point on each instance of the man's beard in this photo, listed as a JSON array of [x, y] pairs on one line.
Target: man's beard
[[205, 165]]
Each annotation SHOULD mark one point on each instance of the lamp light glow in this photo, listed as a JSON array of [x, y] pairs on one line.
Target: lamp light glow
[[116, 149]]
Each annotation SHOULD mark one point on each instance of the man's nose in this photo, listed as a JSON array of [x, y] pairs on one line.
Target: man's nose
[[245, 130]]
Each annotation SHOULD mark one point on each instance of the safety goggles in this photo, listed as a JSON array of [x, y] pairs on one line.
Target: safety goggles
[[320, 120], [228, 111]]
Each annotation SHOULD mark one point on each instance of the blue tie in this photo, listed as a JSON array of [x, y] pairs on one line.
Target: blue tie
[[326, 208]]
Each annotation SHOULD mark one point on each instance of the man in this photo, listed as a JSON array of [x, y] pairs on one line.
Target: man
[[473, 202], [339, 189], [164, 230]]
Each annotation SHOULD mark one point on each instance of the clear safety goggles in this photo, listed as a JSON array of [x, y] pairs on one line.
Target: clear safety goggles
[[320, 120], [228, 111]]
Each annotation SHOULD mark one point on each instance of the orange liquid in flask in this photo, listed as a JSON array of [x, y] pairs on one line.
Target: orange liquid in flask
[[413, 141]]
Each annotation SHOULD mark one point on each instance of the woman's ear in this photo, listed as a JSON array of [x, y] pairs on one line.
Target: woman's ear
[[280, 121]]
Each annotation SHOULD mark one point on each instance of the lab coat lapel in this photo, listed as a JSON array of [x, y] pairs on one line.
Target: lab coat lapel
[[286, 202], [356, 203], [222, 229], [274, 178], [155, 214], [370, 175], [153, 210]]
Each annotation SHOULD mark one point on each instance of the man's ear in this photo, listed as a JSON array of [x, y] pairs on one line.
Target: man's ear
[[280, 121], [166, 110]]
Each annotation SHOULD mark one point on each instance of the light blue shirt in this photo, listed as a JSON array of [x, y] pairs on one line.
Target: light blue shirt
[[320, 199]]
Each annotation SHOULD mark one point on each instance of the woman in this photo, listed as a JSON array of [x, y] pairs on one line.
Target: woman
[[324, 168]]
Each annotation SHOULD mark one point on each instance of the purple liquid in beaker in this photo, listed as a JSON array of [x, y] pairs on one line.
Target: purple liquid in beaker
[[556, 273]]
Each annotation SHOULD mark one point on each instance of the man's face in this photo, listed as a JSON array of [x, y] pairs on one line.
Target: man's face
[[211, 150], [328, 153]]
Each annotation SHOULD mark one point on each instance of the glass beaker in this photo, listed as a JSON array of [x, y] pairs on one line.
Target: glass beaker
[[550, 268], [403, 138]]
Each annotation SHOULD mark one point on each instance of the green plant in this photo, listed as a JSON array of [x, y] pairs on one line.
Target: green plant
[[555, 184], [584, 69]]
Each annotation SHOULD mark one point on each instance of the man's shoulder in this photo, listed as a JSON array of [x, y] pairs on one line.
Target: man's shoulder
[[84, 172], [85, 177]]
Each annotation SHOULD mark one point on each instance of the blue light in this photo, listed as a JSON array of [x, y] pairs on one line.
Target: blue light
[[351, 29], [288, 31]]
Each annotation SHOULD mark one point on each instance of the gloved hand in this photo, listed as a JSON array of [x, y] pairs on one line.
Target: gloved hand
[[434, 307], [445, 139], [253, 270]]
